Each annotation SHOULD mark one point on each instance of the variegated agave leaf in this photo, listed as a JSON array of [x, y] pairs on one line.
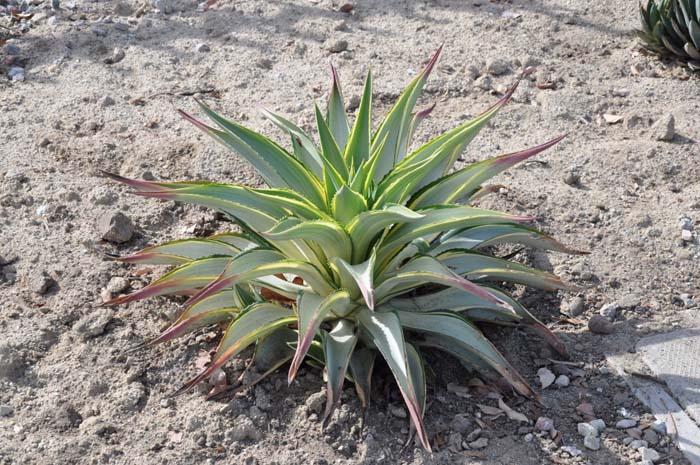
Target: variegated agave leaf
[[360, 250]]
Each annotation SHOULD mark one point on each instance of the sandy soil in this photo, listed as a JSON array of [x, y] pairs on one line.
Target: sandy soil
[[69, 394]]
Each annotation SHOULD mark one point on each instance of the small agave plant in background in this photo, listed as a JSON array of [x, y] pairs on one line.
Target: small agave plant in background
[[359, 250], [671, 28]]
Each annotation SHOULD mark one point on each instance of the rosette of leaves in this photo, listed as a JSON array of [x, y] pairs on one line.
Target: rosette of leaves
[[671, 28], [359, 250]]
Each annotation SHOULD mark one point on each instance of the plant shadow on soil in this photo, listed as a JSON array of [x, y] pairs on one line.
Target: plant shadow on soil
[[229, 26], [389, 433]]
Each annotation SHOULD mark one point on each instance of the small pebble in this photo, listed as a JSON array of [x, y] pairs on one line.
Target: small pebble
[[591, 442], [659, 427], [497, 67], [598, 424], [484, 82], [544, 424], [651, 436], [685, 223], [5, 410], [16, 74], [626, 423], [118, 55], [528, 437], [338, 46], [572, 178], [649, 454], [106, 101], [686, 235], [166, 402], [474, 435], [609, 311], [598, 324], [638, 444], [620, 92], [479, 443], [546, 377], [264, 63], [116, 227], [93, 324], [664, 129], [574, 307], [571, 450], [42, 283], [117, 284], [562, 381], [586, 429], [202, 48]]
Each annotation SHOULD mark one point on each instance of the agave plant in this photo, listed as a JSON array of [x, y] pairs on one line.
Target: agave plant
[[359, 247], [672, 28]]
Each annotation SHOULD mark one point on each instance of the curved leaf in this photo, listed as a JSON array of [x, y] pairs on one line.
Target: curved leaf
[[188, 277], [336, 117], [387, 335], [427, 270], [361, 367], [312, 310], [460, 331], [357, 278], [461, 183], [365, 226], [357, 149], [332, 238], [475, 266], [438, 219], [181, 251], [338, 346], [256, 322], [494, 234]]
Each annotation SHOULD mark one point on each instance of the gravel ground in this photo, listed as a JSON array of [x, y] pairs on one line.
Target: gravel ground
[[92, 86]]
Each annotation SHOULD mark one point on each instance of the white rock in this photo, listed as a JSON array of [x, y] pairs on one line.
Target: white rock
[[562, 381], [591, 442], [546, 377], [685, 223], [664, 128], [686, 235], [571, 450], [649, 454], [117, 284], [609, 311], [586, 429]]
